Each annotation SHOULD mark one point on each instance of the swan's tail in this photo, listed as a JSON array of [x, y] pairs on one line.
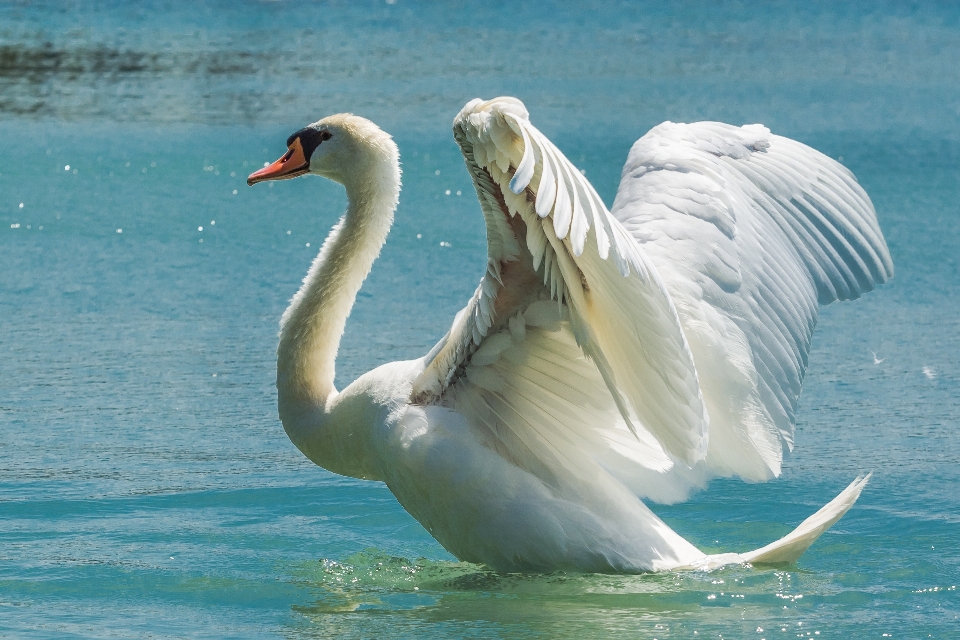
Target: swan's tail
[[790, 547]]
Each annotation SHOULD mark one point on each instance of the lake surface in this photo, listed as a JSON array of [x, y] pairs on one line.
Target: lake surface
[[146, 485]]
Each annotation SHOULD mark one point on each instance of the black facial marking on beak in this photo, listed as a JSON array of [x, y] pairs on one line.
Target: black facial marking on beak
[[296, 161], [310, 139]]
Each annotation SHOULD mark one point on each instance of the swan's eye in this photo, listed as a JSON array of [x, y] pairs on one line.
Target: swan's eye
[[325, 135]]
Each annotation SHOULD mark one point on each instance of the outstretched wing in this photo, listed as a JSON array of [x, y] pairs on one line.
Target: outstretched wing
[[750, 232], [571, 341]]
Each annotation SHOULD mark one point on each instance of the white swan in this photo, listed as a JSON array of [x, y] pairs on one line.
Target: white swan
[[606, 355]]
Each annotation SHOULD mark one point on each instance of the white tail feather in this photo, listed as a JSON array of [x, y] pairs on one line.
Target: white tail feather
[[790, 547]]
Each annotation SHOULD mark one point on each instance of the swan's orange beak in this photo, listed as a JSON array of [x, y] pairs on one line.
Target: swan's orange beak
[[292, 164]]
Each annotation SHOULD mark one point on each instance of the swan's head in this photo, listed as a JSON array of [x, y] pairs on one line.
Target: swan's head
[[342, 147]]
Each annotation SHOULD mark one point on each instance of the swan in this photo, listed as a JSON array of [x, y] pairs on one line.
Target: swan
[[607, 356]]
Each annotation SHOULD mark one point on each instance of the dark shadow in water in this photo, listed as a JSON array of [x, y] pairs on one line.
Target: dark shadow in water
[[71, 83]]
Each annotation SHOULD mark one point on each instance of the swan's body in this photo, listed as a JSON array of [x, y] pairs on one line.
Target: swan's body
[[606, 356]]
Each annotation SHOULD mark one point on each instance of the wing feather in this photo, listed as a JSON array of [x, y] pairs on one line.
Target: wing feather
[[766, 229], [620, 313], [553, 415], [690, 307]]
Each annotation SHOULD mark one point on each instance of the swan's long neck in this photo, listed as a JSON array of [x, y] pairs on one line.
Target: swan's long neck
[[312, 326]]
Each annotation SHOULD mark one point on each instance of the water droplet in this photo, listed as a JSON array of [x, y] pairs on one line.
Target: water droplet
[[119, 230], [66, 168], [308, 244], [288, 232], [447, 192], [419, 236], [213, 222], [234, 192], [437, 172], [21, 205], [458, 192], [199, 228]]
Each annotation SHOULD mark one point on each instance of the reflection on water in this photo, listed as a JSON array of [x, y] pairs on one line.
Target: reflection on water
[[370, 592]]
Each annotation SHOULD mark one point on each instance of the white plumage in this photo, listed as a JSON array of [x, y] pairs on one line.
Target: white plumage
[[606, 356]]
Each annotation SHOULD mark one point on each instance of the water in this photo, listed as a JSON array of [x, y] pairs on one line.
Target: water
[[146, 486]]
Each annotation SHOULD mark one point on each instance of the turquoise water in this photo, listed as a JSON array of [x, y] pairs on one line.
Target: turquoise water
[[146, 485]]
